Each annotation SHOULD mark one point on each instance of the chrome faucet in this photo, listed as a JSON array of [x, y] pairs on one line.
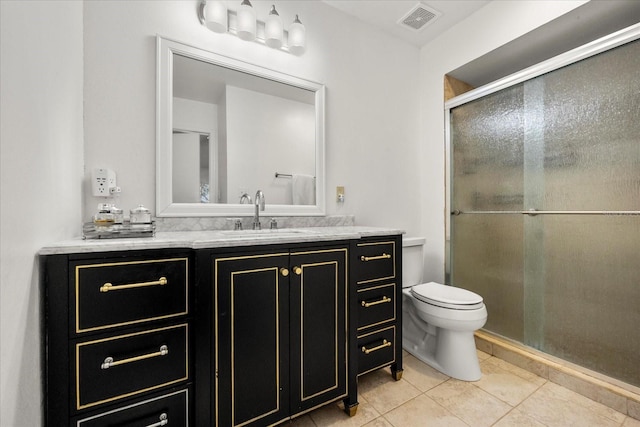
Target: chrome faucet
[[259, 203]]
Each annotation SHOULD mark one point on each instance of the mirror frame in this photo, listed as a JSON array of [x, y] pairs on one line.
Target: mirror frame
[[164, 135]]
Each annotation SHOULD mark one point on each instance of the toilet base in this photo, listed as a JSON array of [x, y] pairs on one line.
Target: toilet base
[[451, 352]]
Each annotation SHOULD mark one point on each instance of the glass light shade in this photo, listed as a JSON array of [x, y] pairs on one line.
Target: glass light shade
[[215, 15], [297, 37], [246, 21], [273, 29]]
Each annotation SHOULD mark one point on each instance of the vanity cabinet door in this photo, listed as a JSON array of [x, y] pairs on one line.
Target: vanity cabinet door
[[318, 327], [252, 334]]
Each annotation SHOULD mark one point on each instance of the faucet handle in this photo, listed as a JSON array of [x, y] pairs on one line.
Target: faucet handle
[[273, 224], [237, 225]]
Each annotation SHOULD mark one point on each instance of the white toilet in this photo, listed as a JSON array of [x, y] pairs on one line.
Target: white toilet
[[438, 321]]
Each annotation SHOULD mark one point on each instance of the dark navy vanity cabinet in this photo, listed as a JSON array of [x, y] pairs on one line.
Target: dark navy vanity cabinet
[[117, 338], [221, 336]]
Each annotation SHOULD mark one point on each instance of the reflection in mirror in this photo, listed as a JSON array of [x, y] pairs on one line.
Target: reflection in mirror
[[227, 129]]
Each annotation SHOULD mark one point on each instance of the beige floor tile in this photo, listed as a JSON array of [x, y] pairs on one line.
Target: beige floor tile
[[421, 375], [473, 405], [515, 418], [556, 406], [507, 382], [379, 422], [383, 393], [482, 355], [334, 415], [631, 422], [422, 411], [303, 421]]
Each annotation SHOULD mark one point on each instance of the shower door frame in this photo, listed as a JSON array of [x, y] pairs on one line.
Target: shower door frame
[[593, 48]]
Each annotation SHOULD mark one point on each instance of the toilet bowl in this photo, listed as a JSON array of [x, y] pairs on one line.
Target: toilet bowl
[[438, 320]]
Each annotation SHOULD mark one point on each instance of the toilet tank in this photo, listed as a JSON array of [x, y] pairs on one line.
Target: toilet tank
[[412, 261]]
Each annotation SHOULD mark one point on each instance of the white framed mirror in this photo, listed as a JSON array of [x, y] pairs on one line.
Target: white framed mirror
[[226, 128]]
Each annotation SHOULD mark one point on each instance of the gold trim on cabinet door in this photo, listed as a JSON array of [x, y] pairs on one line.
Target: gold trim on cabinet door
[[345, 258], [130, 322], [215, 319], [383, 256], [336, 287], [277, 326], [133, 393]]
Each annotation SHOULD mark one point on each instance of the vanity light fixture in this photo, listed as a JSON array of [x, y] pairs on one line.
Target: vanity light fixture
[[246, 21], [297, 37], [273, 29], [214, 15]]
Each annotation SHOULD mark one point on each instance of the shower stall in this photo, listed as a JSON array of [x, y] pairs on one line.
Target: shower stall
[[544, 200]]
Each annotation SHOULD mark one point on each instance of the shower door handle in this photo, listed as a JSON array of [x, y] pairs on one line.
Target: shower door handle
[[535, 212]]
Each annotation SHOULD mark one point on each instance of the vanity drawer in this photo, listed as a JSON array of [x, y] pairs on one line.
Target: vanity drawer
[[376, 349], [171, 410], [376, 305], [375, 261], [117, 367], [111, 294]]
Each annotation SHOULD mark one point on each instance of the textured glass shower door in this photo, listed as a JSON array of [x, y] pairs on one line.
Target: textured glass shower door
[[545, 200]]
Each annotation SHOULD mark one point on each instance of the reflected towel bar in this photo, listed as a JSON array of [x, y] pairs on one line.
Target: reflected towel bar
[[284, 175]]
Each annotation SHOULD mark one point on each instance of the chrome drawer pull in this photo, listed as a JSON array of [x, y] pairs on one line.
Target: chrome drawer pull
[[384, 344], [164, 420], [110, 287], [374, 258], [109, 362], [382, 301]]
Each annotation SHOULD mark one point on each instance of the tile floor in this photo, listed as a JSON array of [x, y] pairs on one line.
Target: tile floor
[[505, 396]]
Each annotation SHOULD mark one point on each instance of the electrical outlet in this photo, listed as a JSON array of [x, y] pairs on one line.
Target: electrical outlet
[[102, 181], [340, 194]]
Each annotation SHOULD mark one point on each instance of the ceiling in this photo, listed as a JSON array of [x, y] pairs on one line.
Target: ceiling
[[385, 15]]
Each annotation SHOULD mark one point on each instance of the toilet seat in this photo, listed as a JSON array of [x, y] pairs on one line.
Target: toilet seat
[[447, 296]]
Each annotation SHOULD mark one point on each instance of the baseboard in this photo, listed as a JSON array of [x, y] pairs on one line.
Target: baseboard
[[613, 393]]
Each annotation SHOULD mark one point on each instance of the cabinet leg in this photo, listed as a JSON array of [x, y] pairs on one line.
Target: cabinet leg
[[396, 374], [350, 408]]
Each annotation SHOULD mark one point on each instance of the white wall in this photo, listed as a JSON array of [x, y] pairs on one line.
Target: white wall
[[280, 138], [41, 170], [492, 26], [372, 108]]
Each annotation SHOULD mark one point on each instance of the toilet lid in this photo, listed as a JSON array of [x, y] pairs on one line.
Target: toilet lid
[[447, 296]]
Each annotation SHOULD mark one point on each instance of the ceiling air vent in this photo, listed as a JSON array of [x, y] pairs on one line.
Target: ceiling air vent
[[418, 18]]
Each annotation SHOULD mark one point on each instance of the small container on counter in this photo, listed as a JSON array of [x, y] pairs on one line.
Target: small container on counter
[[140, 215], [118, 215], [104, 218]]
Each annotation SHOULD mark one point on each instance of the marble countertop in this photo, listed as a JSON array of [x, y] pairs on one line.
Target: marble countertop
[[217, 239]]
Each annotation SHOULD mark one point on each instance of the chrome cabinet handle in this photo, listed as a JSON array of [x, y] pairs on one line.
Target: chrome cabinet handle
[[110, 287], [381, 301], [374, 258], [164, 420], [109, 362], [384, 344]]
